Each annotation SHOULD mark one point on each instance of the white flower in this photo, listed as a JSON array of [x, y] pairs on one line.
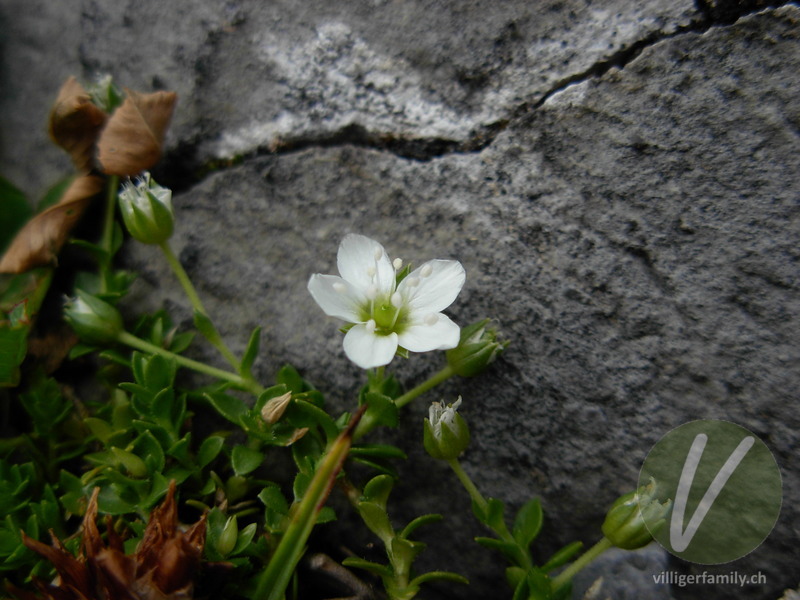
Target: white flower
[[387, 315], [440, 414]]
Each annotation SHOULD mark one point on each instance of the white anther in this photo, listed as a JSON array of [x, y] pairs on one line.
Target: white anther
[[431, 319], [371, 271], [397, 263], [339, 287], [371, 325], [372, 292], [425, 271], [397, 300], [412, 282], [378, 254]]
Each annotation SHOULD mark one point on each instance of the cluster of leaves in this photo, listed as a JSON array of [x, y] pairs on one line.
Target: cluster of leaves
[[529, 581]]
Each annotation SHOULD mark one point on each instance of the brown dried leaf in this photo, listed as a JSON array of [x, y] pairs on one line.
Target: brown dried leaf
[[75, 123], [133, 138], [39, 241]]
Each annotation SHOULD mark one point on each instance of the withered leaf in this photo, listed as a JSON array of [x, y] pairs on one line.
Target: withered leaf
[[133, 138], [39, 241], [75, 123]]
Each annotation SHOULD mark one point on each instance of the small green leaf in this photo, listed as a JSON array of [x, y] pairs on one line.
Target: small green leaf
[[250, 352], [245, 460], [378, 489], [206, 327], [209, 450], [374, 568], [101, 429], [438, 576], [289, 376], [528, 523], [510, 550], [562, 556], [227, 406], [419, 522], [377, 520], [381, 410], [245, 538]]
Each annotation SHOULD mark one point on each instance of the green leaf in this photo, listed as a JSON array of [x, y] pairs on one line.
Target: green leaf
[[100, 428], [205, 326], [326, 515], [250, 352], [562, 556], [381, 410], [377, 520], [511, 551], [377, 451], [378, 489], [374, 568], [438, 576], [289, 376], [147, 447], [159, 373], [245, 460], [245, 538], [209, 450], [227, 406], [45, 404], [419, 522], [539, 587], [528, 523]]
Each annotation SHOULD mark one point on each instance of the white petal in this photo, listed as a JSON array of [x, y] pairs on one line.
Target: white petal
[[421, 337], [436, 291], [363, 262], [340, 304], [367, 349]]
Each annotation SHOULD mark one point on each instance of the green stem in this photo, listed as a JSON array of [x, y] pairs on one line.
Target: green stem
[[183, 277], [584, 559], [107, 241], [473, 491], [140, 344], [426, 385], [273, 581]]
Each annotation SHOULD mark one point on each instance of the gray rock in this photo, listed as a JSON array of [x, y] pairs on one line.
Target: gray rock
[[621, 184]]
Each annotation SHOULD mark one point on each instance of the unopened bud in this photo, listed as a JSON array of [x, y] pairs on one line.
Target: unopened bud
[[105, 94], [476, 350], [94, 320], [146, 209], [446, 434], [625, 522], [275, 407]]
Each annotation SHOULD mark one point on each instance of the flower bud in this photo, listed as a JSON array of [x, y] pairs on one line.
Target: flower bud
[[273, 410], [95, 321], [625, 522], [446, 434], [146, 209], [476, 350], [105, 94]]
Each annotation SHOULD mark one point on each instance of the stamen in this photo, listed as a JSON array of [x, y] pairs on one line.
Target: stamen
[[371, 270], [378, 254], [372, 292], [397, 263], [339, 287], [371, 325], [431, 319], [425, 271], [412, 282], [397, 300]]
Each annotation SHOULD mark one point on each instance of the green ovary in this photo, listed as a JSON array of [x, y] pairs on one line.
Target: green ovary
[[388, 319]]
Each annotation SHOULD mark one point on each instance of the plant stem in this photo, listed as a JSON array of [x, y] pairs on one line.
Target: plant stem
[[273, 581], [584, 559], [426, 385], [140, 344], [213, 335], [107, 241], [465, 480]]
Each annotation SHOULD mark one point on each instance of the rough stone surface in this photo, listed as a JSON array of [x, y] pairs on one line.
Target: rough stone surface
[[619, 179]]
